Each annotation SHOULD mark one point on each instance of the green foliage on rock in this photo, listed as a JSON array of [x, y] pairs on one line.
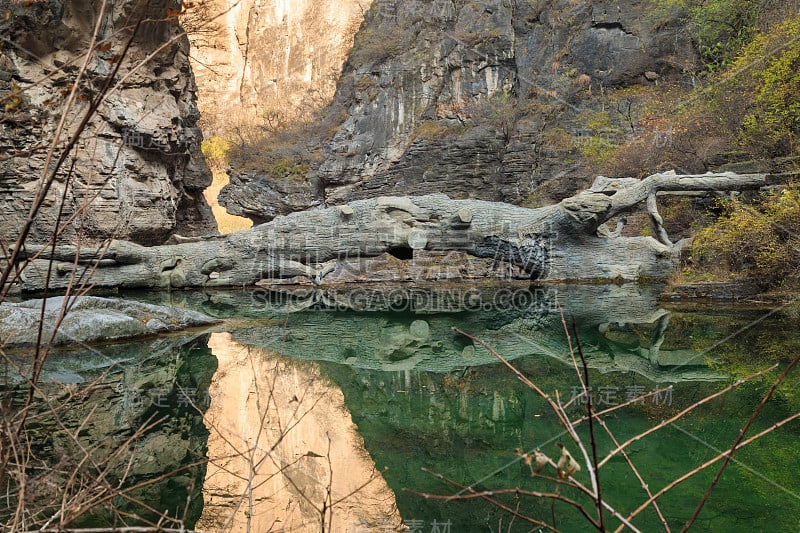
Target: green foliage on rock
[[216, 149], [431, 130], [499, 111], [772, 124], [599, 146], [287, 168], [742, 103], [277, 166], [757, 241], [722, 28]]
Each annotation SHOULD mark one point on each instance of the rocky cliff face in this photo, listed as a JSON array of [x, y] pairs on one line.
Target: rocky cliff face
[[261, 60], [135, 172], [497, 100]]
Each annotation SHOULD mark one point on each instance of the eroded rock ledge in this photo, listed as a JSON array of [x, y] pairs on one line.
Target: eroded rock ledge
[[90, 319], [484, 99], [565, 241]]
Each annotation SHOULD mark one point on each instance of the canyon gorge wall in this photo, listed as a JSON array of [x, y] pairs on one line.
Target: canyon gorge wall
[[135, 172], [496, 100], [260, 61], [501, 100]]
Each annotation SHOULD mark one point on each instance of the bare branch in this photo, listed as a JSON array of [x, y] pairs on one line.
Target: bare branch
[[492, 501], [735, 446], [675, 482], [682, 413]]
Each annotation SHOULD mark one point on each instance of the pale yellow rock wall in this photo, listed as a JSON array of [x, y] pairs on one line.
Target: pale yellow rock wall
[[271, 58]]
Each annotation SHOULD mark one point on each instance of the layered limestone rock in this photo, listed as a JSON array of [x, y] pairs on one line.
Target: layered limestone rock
[[491, 100], [566, 241], [135, 172], [88, 319]]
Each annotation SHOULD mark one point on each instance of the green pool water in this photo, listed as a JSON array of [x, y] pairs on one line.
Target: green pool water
[[427, 400]]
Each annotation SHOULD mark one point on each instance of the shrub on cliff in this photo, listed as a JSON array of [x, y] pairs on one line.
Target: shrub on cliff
[[754, 101], [722, 27], [757, 241], [771, 125], [745, 108], [216, 150]]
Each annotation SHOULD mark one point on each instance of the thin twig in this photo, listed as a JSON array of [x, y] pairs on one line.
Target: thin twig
[[515, 491], [683, 413], [564, 421], [593, 437], [675, 482], [491, 500], [635, 471], [559, 412]]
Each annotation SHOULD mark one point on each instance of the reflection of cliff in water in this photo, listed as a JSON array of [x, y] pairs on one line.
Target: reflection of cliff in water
[[465, 425], [283, 452], [136, 410], [396, 328]]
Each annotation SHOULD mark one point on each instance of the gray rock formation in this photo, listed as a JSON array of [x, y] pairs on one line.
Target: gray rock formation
[[565, 241], [135, 172], [492, 100], [89, 319]]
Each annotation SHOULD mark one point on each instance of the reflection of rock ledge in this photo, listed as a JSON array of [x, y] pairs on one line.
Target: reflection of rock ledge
[[100, 399], [727, 290], [402, 328]]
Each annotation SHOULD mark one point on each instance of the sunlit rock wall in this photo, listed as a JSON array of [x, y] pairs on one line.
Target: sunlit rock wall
[[275, 58]]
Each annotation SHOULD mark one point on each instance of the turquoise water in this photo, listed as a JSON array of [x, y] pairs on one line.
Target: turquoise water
[[426, 398]]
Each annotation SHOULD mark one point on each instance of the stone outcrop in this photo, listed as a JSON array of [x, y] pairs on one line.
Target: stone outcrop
[[566, 241], [492, 100], [135, 172], [89, 319]]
